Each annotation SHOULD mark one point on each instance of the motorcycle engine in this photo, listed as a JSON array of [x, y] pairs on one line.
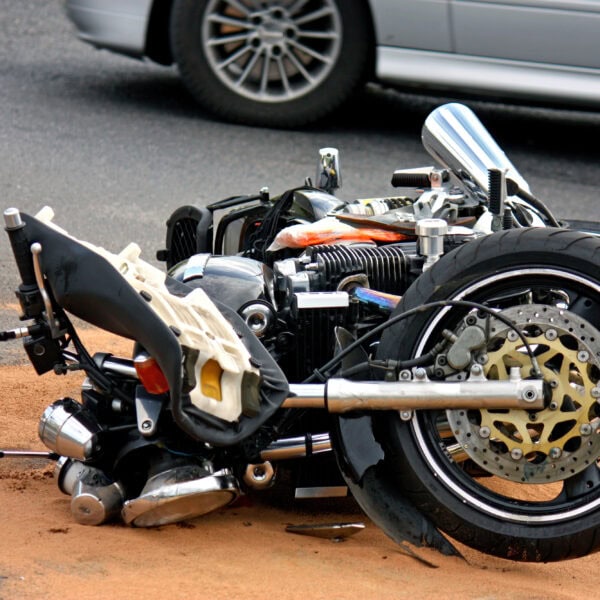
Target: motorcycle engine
[[295, 306], [315, 293]]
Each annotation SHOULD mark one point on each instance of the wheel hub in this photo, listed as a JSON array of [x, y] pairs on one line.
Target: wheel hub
[[274, 27], [560, 440]]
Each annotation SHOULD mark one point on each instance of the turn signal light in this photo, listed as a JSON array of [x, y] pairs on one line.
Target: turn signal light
[[150, 374]]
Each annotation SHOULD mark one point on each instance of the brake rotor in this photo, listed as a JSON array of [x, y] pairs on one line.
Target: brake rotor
[[563, 438]]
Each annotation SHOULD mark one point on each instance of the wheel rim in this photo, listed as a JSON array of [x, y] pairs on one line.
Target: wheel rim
[[272, 51], [441, 450]]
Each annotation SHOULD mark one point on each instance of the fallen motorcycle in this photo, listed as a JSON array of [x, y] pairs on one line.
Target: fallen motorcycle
[[444, 343]]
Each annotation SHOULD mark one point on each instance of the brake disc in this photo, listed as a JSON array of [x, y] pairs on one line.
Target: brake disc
[[559, 440]]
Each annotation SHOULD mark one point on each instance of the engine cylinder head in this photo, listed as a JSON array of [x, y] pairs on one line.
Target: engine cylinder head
[[384, 266]]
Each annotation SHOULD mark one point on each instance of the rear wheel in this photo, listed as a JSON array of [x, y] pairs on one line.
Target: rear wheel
[[519, 484], [279, 63]]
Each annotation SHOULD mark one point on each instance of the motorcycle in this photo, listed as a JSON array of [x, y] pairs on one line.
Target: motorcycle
[[444, 344]]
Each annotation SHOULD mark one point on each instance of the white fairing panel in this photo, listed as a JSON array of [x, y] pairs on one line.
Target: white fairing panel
[[202, 326]]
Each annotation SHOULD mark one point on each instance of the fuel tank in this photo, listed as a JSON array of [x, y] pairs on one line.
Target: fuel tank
[[231, 280]]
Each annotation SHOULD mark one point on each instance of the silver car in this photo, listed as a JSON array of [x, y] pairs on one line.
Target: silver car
[[288, 62]]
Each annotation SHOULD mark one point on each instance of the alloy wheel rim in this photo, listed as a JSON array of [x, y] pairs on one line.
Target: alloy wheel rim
[[485, 500], [272, 51]]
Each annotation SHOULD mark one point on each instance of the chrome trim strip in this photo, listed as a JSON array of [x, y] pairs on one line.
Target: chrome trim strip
[[478, 74]]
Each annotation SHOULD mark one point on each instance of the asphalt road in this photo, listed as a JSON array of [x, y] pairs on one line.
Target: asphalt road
[[114, 145]]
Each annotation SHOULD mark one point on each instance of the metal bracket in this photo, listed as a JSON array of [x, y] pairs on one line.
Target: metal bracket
[[147, 409]]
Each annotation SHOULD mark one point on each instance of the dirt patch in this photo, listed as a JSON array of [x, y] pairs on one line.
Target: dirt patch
[[241, 551]]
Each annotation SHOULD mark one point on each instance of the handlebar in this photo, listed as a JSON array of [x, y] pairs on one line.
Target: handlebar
[[15, 228], [28, 292]]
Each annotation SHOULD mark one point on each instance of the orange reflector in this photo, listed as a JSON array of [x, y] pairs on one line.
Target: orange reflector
[[210, 379], [150, 374]]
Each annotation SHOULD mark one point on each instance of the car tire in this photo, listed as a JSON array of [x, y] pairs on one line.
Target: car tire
[[280, 67]]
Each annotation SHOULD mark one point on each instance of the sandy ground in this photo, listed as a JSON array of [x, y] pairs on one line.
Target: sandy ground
[[241, 551]]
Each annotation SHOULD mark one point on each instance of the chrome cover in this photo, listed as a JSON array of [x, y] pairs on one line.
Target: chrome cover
[[178, 494], [68, 429]]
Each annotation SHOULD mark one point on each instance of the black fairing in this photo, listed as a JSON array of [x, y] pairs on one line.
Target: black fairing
[[88, 286], [363, 465], [362, 462]]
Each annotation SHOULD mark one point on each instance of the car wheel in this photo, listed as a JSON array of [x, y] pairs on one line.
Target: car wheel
[[281, 63]]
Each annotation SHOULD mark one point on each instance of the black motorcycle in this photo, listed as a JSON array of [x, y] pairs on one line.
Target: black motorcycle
[[443, 342]]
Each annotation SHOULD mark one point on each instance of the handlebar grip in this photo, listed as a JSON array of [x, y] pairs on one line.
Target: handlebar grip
[[15, 228], [411, 180]]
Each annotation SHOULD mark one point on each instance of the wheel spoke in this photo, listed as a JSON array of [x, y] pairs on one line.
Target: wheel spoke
[[264, 80], [239, 6], [235, 56], [284, 78], [319, 35], [297, 6], [222, 20], [251, 64], [294, 59], [306, 50], [229, 39], [313, 16], [546, 355]]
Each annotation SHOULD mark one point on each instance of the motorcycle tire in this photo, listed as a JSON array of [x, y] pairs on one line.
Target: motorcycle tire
[[473, 503], [275, 72]]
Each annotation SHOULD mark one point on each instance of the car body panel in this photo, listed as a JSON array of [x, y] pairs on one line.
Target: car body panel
[[420, 25], [546, 31], [118, 25], [542, 50]]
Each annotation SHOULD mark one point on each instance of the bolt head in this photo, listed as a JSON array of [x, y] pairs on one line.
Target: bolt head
[[420, 373], [406, 415], [583, 356], [516, 454], [483, 359], [476, 369], [555, 453]]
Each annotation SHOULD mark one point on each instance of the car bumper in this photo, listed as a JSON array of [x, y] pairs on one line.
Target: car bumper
[[118, 25]]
